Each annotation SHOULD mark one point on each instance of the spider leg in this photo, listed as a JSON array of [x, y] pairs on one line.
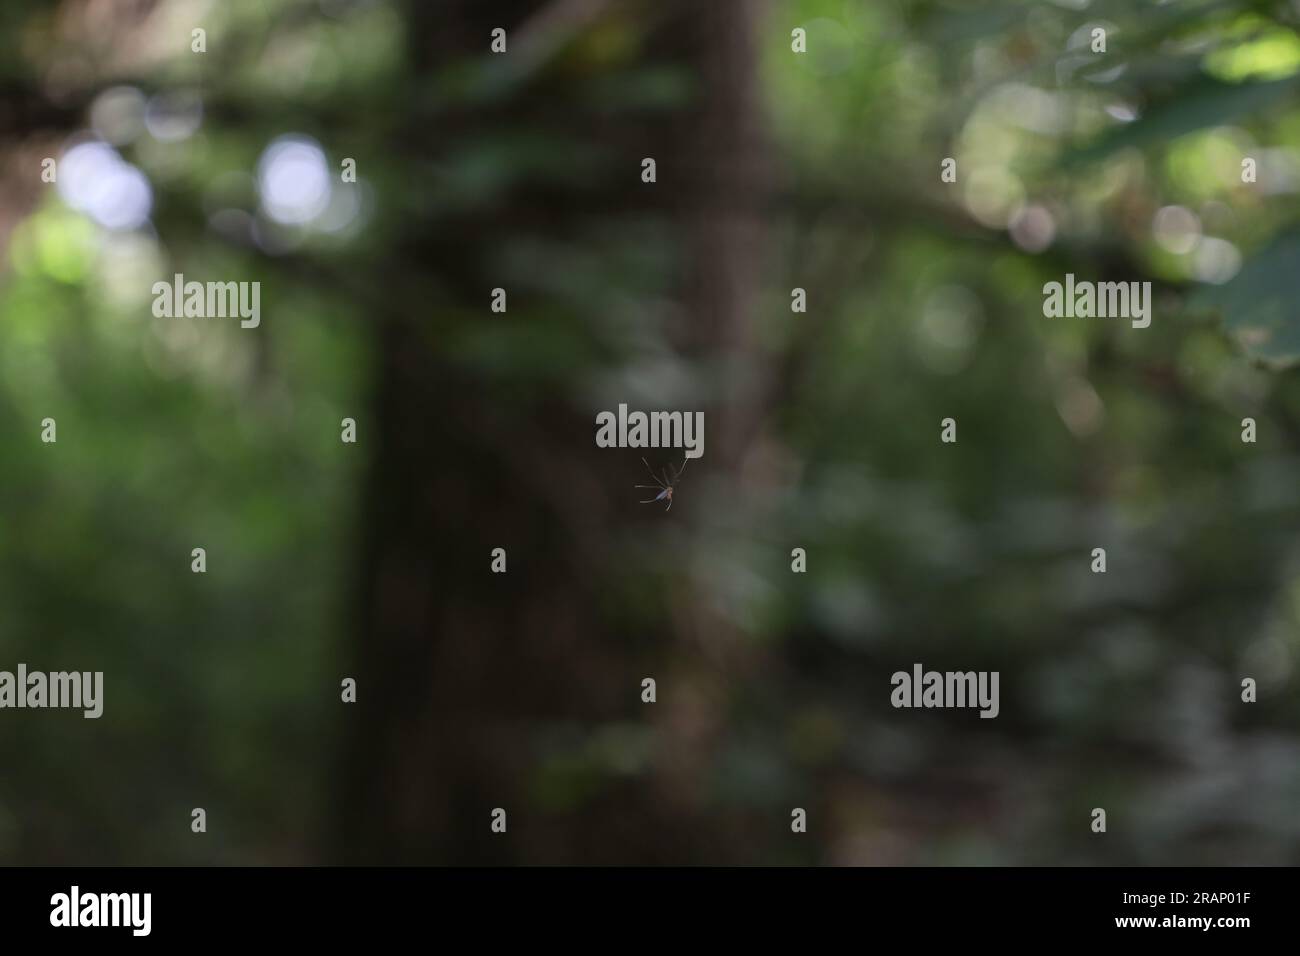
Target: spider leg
[[670, 506], [651, 470], [649, 486]]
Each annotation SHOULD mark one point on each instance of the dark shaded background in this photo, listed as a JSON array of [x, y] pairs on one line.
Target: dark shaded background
[[476, 430]]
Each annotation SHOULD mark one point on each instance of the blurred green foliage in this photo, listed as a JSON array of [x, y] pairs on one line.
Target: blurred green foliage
[[925, 301]]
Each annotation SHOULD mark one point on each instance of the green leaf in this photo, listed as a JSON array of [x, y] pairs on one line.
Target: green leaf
[[1261, 304], [1201, 104]]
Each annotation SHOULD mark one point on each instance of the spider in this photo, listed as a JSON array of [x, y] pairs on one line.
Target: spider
[[664, 484]]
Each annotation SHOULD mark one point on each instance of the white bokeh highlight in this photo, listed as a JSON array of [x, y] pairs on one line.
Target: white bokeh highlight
[[96, 180], [293, 180]]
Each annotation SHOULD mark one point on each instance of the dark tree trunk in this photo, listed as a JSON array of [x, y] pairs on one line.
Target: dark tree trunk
[[470, 682]]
